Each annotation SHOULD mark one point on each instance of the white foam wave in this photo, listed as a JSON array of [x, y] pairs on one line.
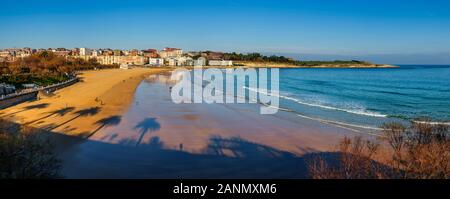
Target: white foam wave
[[340, 123], [433, 123], [358, 112]]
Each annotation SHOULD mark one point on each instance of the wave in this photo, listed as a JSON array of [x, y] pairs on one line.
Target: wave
[[340, 123], [331, 122], [357, 112], [432, 123]]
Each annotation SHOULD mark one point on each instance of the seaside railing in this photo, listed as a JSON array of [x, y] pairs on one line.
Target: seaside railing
[[41, 88]]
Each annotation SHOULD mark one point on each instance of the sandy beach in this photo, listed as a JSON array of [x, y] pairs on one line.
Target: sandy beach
[[76, 110]]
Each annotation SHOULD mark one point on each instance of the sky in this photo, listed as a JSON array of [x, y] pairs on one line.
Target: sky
[[383, 31]]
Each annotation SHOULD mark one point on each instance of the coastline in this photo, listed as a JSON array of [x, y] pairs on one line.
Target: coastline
[[130, 122], [283, 65], [80, 109]]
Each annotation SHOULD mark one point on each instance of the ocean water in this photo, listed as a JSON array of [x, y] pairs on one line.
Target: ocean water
[[367, 98]]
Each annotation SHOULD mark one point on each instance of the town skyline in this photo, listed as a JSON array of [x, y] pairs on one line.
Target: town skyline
[[395, 32], [394, 59]]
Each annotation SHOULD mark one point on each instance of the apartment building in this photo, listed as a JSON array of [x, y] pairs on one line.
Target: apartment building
[[170, 52]]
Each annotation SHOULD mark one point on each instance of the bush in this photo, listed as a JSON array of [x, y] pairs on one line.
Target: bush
[[24, 154], [418, 152]]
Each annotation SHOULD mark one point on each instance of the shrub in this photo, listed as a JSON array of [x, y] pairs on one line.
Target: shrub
[[24, 154], [418, 152]]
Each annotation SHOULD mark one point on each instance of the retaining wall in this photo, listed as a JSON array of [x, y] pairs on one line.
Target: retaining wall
[[17, 98]]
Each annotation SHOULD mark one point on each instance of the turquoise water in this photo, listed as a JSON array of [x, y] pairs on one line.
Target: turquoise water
[[367, 97]]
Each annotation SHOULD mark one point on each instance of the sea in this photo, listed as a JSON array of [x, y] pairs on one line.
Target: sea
[[368, 98]]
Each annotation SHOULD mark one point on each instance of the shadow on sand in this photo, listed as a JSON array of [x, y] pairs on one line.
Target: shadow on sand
[[27, 108], [105, 122], [222, 158], [225, 158], [81, 113], [60, 112], [145, 126]]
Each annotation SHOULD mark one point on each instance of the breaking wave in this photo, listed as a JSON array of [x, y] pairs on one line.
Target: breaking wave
[[352, 111]]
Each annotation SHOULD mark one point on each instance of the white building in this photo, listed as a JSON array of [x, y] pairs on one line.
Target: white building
[[220, 63], [201, 61], [85, 52], [180, 61], [156, 62], [108, 60]]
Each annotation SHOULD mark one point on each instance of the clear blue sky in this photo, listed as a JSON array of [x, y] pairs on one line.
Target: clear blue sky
[[394, 31]]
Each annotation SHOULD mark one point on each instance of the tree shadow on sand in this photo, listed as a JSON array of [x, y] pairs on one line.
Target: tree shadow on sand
[[145, 126], [230, 157], [60, 112], [153, 160], [105, 122], [30, 107], [240, 148], [81, 113]]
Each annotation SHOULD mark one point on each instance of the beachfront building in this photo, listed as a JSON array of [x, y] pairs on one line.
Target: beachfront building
[[109, 60], [201, 61], [220, 63], [171, 61], [155, 62], [170, 52], [185, 61], [179, 61], [133, 60]]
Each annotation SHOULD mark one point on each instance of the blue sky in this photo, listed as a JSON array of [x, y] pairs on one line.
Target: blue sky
[[388, 31]]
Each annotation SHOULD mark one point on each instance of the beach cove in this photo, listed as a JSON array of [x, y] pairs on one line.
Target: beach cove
[[156, 138], [124, 124]]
